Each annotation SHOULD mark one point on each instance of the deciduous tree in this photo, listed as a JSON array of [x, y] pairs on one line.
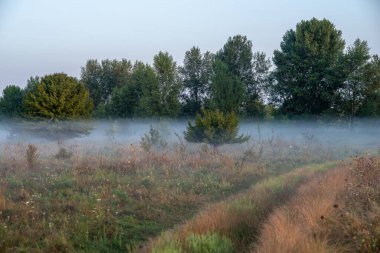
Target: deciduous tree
[[57, 97], [306, 75]]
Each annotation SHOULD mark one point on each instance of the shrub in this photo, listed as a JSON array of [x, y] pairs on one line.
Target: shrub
[[152, 138], [209, 243], [63, 154], [31, 156], [215, 128]]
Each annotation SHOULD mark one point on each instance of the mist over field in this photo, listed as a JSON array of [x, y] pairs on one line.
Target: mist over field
[[360, 135]]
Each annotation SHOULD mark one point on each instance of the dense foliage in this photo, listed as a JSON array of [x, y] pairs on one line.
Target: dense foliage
[[215, 128], [313, 75], [57, 97], [11, 102]]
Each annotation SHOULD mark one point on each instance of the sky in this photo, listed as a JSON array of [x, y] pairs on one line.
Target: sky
[[39, 37]]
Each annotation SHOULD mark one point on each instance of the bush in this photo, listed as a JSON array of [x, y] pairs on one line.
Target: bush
[[215, 128], [209, 243], [31, 156], [63, 154], [152, 138]]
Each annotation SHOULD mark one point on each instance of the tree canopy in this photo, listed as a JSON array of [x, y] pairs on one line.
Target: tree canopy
[[11, 101], [57, 97], [313, 75], [307, 75], [196, 74]]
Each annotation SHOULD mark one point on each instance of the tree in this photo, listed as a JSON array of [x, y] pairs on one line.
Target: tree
[[355, 85], [150, 101], [253, 105], [169, 85], [371, 103], [57, 97], [215, 128], [126, 99], [196, 74], [101, 78], [251, 69], [306, 75], [237, 55], [11, 102], [226, 89]]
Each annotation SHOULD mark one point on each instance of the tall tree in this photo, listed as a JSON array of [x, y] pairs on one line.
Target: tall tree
[[11, 101], [125, 101], [254, 105], [250, 68], [196, 74], [306, 76], [371, 103], [57, 97], [226, 89], [101, 78], [150, 101], [355, 85], [169, 85]]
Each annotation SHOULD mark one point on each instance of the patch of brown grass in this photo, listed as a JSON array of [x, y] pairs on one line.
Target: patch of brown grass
[[239, 218], [336, 212], [2, 201]]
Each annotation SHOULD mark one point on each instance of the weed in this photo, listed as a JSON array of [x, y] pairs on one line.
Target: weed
[[31, 157], [152, 139]]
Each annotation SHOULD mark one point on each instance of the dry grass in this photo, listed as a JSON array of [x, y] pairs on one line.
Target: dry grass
[[240, 217], [113, 197], [336, 212]]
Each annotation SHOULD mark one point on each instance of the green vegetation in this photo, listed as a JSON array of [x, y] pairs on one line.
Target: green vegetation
[[11, 101], [57, 97], [235, 223], [215, 128], [209, 243], [114, 198], [314, 76]]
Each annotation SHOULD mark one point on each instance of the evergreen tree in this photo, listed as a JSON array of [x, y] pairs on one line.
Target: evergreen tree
[[215, 128]]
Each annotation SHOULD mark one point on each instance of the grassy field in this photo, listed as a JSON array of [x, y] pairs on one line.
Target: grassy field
[[114, 198], [337, 212]]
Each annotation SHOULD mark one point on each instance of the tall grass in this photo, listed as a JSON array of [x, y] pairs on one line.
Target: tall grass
[[239, 218], [337, 212], [114, 197]]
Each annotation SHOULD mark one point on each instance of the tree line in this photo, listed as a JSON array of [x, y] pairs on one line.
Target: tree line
[[313, 74]]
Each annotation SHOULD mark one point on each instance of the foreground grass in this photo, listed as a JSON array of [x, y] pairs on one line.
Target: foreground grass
[[338, 212], [113, 198], [237, 220]]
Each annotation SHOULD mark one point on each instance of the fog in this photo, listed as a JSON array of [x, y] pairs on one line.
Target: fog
[[360, 135]]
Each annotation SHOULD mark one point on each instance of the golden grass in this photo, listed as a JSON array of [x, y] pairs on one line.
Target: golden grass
[[335, 212], [240, 217]]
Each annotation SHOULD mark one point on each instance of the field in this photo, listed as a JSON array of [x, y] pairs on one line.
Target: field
[[120, 197]]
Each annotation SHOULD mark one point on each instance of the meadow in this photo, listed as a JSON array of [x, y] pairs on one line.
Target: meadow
[[111, 195]]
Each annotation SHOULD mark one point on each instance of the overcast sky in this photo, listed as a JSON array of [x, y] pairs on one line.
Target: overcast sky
[[39, 37]]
